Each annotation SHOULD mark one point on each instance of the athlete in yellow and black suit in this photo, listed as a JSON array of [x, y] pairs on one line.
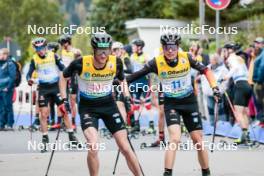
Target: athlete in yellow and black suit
[[95, 78], [173, 69], [68, 88], [46, 64]]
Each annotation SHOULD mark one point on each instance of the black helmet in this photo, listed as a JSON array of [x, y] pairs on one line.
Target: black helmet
[[101, 40], [53, 46], [64, 39], [138, 42], [39, 42], [230, 45], [170, 39]]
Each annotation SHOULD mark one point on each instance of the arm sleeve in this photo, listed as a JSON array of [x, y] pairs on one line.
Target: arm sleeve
[[151, 66], [31, 70], [203, 70], [128, 66], [12, 75], [74, 67], [59, 63], [197, 65], [119, 70]]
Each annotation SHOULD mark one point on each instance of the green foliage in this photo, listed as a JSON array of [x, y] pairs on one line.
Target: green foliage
[[114, 14], [16, 15], [82, 42]]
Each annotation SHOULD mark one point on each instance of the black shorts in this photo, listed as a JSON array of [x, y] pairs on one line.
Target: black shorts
[[49, 93], [106, 109], [187, 108], [242, 94], [72, 85]]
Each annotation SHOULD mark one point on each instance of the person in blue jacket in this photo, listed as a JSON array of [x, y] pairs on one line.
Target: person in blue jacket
[[258, 75], [7, 80]]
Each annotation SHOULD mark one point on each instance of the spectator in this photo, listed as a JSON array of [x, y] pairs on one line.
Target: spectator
[[258, 77], [219, 70], [7, 79]]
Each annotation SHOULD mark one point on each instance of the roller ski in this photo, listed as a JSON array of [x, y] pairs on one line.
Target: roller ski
[[22, 128], [155, 144]]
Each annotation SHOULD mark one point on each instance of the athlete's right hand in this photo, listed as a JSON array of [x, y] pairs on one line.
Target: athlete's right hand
[[30, 82]]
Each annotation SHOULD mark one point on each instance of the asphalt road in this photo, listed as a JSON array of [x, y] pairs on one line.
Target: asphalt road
[[17, 160]]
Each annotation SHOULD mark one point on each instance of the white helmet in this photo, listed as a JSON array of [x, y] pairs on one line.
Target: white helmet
[[117, 45]]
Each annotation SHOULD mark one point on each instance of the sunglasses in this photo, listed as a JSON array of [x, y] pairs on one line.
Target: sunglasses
[[170, 47], [39, 48], [103, 51]]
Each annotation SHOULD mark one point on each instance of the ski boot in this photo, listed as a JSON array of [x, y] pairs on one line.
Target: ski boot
[[206, 172], [73, 140], [150, 130], [244, 140], [136, 128], [35, 125], [45, 141]]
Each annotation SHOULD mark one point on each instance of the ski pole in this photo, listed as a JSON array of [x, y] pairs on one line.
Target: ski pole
[[215, 122], [118, 152], [53, 150], [31, 110]]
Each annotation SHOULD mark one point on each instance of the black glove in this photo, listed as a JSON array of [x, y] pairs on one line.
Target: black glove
[[30, 82], [217, 94], [127, 102]]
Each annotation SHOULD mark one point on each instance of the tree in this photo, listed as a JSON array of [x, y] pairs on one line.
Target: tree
[[113, 14], [16, 15]]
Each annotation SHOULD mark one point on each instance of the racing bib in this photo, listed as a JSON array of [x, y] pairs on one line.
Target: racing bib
[[176, 81], [138, 61], [96, 83], [46, 68], [67, 57]]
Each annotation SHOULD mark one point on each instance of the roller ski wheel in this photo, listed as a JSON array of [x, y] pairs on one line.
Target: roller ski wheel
[[152, 145]]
